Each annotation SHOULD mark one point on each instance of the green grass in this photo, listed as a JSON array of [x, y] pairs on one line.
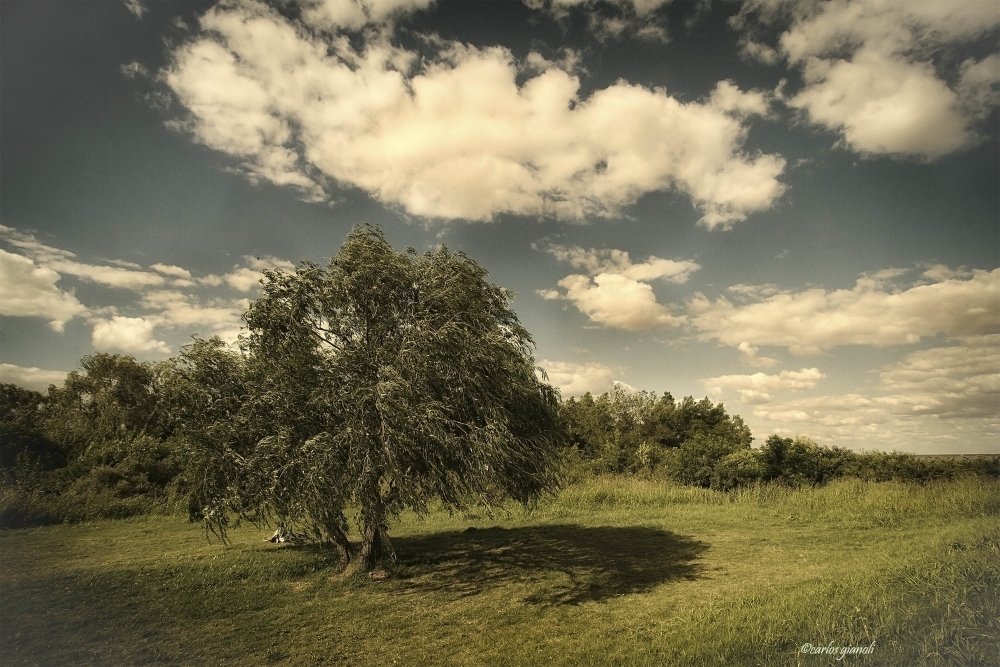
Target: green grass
[[613, 571]]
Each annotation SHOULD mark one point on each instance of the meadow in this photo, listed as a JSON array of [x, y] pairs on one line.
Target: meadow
[[613, 571]]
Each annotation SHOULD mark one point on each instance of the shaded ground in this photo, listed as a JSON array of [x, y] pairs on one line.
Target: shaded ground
[[596, 562]]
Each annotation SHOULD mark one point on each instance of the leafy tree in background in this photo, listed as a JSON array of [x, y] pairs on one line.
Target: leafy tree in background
[[22, 437], [622, 431], [381, 382], [99, 410]]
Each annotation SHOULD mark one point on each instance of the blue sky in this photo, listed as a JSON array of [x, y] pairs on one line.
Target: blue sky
[[790, 207]]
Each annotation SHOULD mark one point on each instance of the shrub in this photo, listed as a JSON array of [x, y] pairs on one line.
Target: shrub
[[741, 468], [802, 461], [699, 456]]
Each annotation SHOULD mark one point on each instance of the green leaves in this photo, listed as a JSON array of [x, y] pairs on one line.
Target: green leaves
[[382, 381]]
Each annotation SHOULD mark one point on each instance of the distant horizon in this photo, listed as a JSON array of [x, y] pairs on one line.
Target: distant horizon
[[787, 207]]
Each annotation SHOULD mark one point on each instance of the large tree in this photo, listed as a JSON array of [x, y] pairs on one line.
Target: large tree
[[381, 382]]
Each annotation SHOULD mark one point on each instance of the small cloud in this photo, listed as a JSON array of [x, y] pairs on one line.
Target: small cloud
[[128, 334], [170, 270], [750, 357], [617, 292], [576, 379], [134, 69], [760, 52], [940, 272], [136, 8], [246, 278]]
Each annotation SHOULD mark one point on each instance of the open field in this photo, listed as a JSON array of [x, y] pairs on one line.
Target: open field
[[613, 571]]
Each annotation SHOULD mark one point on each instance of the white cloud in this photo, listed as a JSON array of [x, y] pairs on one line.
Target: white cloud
[[242, 279], [883, 104], [216, 317], [136, 8], [169, 270], [455, 136], [937, 399], [956, 381], [618, 301], [872, 69], [134, 69], [355, 14], [750, 357], [576, 379], [611, 19], [30, 290], [63, 262], [979, 85], [128, 334], [618, 295], [246, 278], [618, 261], [757, 388], [817, 319], [31, 377]]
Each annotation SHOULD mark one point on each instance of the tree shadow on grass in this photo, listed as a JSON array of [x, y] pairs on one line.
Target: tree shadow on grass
[[564, 564]]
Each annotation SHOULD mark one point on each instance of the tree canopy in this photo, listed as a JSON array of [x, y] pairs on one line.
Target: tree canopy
[[620, 431], [380, 382]]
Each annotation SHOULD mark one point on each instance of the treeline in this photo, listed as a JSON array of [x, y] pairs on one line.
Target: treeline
[[113, 441], [103, 445], [699, 443]]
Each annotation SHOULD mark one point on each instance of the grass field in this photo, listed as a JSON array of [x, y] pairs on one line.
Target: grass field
[[612, 572]]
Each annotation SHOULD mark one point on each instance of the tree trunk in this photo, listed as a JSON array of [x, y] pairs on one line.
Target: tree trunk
[[343, 546], [372, 549]]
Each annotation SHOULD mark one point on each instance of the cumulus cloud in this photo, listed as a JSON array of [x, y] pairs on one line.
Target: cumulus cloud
[[576, 379], [30, 290], [757, 388], [31, 377], [872, 313], [455, 136], [618, 295], [617, 301], [128, 334], [872, 69]]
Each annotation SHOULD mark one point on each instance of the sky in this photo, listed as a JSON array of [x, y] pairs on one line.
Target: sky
[[792, 208]]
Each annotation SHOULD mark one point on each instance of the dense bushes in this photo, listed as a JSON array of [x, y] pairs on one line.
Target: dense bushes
[[622, 432], [800, 461], [698, 443], [99, 446]]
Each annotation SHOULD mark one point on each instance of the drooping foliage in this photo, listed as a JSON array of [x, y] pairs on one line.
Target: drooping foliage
[[382, 381]]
